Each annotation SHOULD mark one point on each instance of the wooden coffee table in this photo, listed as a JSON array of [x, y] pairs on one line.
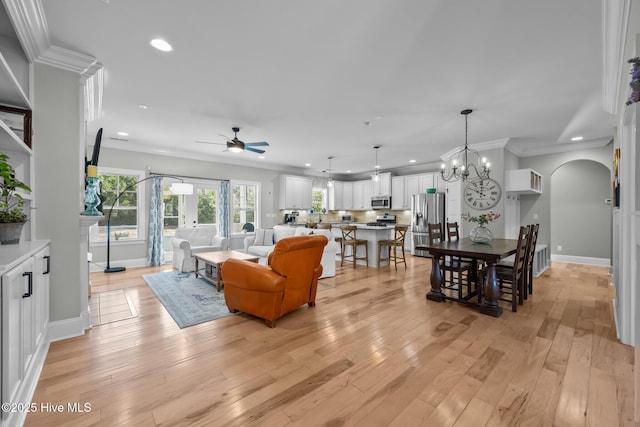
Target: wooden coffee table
[[214, 260]]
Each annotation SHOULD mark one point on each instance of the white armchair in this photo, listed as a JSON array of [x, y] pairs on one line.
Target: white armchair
[[189, 241]]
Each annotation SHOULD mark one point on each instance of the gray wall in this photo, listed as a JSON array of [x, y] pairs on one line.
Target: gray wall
[[56, 124], [546, 165], [185, 167], [580, 218]]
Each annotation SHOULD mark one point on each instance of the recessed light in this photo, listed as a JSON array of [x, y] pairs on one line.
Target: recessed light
[[377, 166], [412, 161], [261, 157], [368, 123], [348, 171], [307, 164], [123, 134], [161, 45], [577, 138], [379, 117], [143, 106], [163, 151]]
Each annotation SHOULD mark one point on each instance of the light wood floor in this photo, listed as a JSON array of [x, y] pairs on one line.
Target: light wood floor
[[373, 352]]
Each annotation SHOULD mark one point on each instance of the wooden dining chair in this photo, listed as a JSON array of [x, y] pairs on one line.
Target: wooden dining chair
[[324, 226], [458, 271], [511, 279], [453, 235], [399, 233], [532, 239], [349, 238]]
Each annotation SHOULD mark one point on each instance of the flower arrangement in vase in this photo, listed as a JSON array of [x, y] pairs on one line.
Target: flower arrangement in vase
[[480, 233]]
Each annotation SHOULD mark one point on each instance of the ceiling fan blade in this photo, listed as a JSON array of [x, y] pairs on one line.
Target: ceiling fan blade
[[255, 150], [258, 144], [225, 136], [210, 142]]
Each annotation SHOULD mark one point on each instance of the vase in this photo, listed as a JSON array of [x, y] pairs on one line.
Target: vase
[[481, 234], [10, 232]]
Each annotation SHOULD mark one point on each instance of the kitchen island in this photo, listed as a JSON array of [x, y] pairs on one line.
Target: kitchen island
[[372, 234]]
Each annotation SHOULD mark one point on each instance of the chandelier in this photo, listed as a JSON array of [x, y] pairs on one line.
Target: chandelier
[[466, 161], [375, 176]]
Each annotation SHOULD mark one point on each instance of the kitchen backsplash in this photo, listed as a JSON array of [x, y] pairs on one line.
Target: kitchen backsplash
[[402, 217]]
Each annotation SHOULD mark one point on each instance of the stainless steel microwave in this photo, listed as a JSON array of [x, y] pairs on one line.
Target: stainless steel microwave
[[381, 202]]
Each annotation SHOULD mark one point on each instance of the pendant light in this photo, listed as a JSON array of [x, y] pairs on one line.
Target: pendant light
[[464, 161], [330, 182], [375, 177]]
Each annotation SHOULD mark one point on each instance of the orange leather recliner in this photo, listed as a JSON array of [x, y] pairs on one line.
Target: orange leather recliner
[[287, 282]]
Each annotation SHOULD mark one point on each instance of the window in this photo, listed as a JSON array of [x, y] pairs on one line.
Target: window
[[197, 209], [244, 205], [127, 212], [318, 200]]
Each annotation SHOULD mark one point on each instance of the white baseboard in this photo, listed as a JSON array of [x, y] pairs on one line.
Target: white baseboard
[[94, 267], [67, 328], [606, 262]]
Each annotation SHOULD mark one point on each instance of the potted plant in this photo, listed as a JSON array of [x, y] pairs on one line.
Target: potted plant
[[12, 217]]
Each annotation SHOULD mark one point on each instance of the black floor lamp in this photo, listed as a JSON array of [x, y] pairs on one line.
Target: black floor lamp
[[176, 188]]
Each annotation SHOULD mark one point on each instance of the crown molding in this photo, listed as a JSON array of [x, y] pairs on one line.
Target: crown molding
[[30, 24], [615, 19], [559, 148]]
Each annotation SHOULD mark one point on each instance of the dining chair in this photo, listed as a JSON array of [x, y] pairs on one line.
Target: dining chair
[[453, 235], [349, 238], [511, 279], [399, 233], [531, 251], [451, 265]]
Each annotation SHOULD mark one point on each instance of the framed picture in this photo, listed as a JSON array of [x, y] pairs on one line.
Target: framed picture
[[19, 121]]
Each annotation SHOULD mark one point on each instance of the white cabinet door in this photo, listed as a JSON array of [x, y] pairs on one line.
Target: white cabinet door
[[295, 192], [347, 196], [367, 193], [398, 194], [42, 268], [412, 186], [17, 312], [358, 195], [426, 181], [382, 187], [338, 190]]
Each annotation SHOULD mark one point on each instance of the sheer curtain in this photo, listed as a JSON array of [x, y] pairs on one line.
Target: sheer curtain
[[156, 252], [223, 202]]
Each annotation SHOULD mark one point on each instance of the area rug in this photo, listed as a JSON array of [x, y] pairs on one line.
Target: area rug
[[188, 300]]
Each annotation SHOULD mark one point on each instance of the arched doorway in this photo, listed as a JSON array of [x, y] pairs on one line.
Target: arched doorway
[[581, 213]]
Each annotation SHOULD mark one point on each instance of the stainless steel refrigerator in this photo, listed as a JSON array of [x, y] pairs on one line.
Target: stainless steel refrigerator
[[425, 209]]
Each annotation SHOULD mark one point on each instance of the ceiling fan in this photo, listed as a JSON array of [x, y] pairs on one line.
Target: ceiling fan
[[236, 146]]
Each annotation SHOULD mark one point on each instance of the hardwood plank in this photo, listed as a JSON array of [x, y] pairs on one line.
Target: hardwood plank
[[373, 351]]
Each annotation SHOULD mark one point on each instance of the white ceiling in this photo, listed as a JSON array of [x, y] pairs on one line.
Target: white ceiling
[[305, 75]]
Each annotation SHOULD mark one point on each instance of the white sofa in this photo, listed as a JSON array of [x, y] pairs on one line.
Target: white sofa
[[189, 241], [264, 240]]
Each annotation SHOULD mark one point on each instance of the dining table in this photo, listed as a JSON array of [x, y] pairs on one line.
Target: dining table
[[488, 254]]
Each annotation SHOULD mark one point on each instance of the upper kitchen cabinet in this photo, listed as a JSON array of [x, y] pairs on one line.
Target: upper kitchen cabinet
[[403, 187], [295, 192], [523, 181], [362, 192], [382, 187]]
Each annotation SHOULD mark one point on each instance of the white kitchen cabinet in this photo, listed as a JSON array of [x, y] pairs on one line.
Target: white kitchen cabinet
[[397, 193], [403, 188], [523, 181], [382, 187], [347, 196], [334, 196], [295, 192], [362, 192], [25, 318], [426, 181]]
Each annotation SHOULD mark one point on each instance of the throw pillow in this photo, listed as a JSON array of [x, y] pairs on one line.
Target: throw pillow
[[259, 240]]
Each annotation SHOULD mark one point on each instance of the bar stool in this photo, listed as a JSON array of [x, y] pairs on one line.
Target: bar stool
[[330, 227], [324, 226], [311, 225], [399, 233], [349, 239]]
